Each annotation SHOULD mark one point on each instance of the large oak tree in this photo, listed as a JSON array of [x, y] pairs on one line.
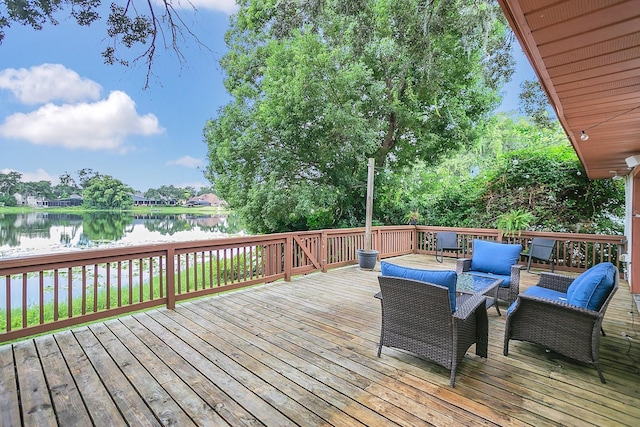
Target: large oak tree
[[319, 86]]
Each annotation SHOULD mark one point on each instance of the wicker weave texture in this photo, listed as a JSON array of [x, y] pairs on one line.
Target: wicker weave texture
[[566, 329], [416, 316]]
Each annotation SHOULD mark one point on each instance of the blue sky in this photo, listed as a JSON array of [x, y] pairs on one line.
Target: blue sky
[[62, 109]]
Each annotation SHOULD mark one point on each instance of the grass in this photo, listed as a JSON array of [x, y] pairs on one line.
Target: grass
[[149, 291]]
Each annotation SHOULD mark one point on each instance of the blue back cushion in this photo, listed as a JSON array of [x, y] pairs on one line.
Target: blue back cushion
[[444, 278], [591, 288], [493, 257]]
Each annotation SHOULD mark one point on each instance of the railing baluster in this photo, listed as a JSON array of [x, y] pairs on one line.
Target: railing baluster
[[24, 300], [69, 293], [119, 286], [56, 300], [84, 290], [7, 286], [41, 296], [130, 274]]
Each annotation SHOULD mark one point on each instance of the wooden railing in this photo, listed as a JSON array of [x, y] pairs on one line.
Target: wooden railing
[[573, 252], [48, 292]]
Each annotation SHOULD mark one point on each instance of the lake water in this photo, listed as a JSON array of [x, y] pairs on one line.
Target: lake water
[[36, 233]]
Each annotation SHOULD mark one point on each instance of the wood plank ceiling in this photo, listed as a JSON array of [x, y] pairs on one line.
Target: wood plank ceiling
[[586, 54]]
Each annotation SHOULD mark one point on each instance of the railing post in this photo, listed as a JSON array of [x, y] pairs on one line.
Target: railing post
[[323, 251], [288, 258], [414, 240], [171, 279]]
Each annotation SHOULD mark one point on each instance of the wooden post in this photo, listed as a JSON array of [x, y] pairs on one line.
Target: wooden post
[[369, 212], [288, 258], [171, 276]]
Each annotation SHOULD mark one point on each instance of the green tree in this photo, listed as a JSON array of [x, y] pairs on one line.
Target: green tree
[[319, 87], [85, 176], [165, 192], [67, 186], [9, 183], [37, 189], [549, 184], [105, 192], [9, 201], [535, 104]]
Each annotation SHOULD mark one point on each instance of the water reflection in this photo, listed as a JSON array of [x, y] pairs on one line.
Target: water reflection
[[41, 232]]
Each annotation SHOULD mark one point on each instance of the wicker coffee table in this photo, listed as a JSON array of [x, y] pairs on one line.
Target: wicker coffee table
[[487, 286]]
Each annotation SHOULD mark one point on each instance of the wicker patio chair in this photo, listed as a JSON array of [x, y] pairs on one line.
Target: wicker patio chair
[[496, 252], [416, 316], [551, 321]]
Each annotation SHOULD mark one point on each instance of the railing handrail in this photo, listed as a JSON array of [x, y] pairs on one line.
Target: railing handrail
[[131, 278]]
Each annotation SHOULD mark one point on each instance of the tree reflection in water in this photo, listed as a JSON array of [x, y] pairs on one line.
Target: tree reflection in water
[[38, 232]]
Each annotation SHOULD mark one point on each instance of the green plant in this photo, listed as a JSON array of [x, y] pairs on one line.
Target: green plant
[[412, 217], [513, 222]]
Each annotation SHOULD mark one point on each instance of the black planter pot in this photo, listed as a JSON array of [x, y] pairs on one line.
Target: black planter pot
[[367, 259]]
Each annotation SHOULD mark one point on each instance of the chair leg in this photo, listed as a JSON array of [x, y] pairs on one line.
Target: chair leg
[[441, 259], [529, 264], [597, 365]]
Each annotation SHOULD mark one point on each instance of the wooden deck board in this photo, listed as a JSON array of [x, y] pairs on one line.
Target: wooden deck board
[[305, 353]]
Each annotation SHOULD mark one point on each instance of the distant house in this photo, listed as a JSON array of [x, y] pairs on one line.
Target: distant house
[[140, 200], [208, 199], [32, 201], [73, 200]]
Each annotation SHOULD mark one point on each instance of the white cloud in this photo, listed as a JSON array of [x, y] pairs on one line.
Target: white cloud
[[187, 162], [101, 125], [227, 6], [48, 82], [38, 175]]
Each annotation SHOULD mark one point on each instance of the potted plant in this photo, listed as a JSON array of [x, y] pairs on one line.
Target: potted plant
[[412, 217], [367, 257], [513, 222]]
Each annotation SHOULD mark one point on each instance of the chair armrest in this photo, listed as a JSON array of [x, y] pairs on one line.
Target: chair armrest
[[556, 282], [462, 265], [469, 307]]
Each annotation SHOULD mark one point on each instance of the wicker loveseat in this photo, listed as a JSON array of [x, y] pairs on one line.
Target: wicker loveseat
[[564, 314], [417, 316], [497, 260]]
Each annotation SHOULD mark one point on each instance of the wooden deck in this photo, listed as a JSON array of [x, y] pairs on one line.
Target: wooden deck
[[304, 353]]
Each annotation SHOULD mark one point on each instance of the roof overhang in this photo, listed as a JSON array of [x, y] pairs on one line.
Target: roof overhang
[[586, 54]]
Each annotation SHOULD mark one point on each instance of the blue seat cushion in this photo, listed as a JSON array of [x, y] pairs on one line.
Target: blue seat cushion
[[446, 278], [591, 288], [540, 292], [493, 257], [506, 278]]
